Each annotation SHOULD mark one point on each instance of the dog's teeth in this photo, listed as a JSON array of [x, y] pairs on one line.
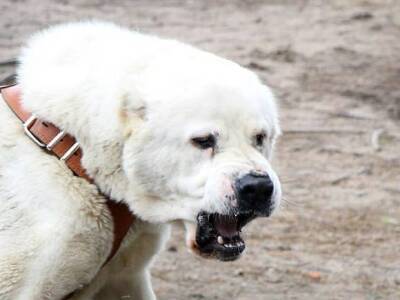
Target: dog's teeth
[[220, 240]]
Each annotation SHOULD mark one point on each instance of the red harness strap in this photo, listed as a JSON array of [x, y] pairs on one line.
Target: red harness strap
[[66, 148]]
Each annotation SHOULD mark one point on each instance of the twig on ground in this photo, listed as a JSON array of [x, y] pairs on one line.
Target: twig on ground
[[350, 115], [345, 177], [10, 62], [341, 179], [375, 137]]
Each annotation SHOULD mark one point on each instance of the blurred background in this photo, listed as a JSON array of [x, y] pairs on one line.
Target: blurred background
[[335, 67]]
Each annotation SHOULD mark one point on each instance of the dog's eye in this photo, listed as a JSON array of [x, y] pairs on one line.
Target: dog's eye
[[259, 139], [204, 142]]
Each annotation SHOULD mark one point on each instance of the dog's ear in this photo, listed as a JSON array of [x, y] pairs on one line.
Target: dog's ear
[[132, 112]]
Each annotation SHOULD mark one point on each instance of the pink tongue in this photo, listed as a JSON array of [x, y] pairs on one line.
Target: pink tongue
[[226, 225]]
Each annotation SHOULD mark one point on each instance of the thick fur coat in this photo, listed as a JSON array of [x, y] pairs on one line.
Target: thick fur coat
[[134, 102]]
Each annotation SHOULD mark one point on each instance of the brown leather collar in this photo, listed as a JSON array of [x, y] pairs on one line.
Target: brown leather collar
[[66, 148]]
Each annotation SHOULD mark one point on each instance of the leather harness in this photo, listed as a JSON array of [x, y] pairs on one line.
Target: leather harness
[[62, 145]]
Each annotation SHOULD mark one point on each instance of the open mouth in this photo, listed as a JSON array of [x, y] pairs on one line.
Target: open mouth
[[219, 235]]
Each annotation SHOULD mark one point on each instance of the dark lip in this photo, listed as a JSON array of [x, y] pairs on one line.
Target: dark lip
[[207, 235]]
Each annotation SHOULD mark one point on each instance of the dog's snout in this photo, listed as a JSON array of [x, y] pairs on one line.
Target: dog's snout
[[254, 192]]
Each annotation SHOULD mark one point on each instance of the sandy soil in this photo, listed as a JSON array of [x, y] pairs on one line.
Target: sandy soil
[[335, 66]]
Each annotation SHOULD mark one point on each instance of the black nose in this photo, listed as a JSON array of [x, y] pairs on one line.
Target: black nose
[[254, 192]]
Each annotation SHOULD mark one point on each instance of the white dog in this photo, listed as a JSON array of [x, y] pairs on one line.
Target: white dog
[[174, 132]]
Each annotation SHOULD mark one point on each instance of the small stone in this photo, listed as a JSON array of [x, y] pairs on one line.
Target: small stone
[[314, 275], [362, 16], [239, 272], [197, 296], [172, 249]]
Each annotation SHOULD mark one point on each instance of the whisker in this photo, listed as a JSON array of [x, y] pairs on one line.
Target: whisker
[[290, 180], [290, 203]]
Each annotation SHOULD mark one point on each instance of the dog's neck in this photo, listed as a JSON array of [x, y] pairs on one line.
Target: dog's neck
[[101, 141], [103, 162]]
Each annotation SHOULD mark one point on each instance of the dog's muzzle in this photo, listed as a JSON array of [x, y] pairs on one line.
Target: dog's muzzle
[[219, 235]]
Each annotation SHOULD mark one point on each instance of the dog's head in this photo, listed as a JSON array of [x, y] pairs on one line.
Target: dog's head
[[197, 149]]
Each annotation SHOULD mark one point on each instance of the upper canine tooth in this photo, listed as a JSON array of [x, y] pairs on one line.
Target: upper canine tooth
[[220, 240]]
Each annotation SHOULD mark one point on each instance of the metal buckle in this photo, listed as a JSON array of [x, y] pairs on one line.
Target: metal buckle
[[55, 140], [70, 152], [27, 126]]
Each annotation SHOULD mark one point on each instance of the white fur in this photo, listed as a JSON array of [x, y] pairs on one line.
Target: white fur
[[133, 102]]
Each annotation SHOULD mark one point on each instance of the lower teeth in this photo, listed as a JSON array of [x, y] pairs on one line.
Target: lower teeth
[[233, 245]]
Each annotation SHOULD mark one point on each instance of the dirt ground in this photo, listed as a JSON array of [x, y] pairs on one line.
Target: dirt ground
[[335, 66]]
